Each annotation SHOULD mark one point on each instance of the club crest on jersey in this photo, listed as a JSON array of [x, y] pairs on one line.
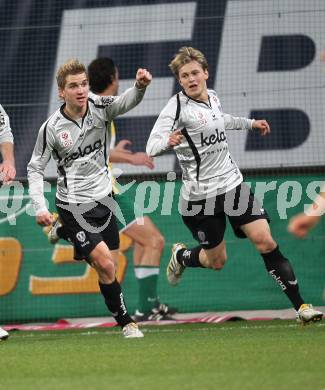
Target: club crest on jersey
[[65, 139], [201, 118], [89, 120]]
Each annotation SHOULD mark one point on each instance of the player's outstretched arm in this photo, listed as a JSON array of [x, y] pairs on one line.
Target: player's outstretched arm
[[130, 98], [120, 154], [262, 126], [301, 224]]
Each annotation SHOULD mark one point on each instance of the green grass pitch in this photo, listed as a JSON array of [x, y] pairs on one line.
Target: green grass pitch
[[235, 355]]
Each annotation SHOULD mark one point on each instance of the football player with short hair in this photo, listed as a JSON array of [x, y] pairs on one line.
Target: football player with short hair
[[75, 137], [148, 242], [194, 125]]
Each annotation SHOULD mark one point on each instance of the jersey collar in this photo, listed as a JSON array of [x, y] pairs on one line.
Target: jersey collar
[[198, 101], [72, 120]]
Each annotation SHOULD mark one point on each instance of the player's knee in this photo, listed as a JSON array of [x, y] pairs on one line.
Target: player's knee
[[160, 242], [157, 241], [104, 266], [263, 242], [218, 262]]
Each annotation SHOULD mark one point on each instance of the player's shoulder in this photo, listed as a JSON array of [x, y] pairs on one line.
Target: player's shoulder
[[4, 119], [2, 110], [213, 93], [178, 98], [52, 122]]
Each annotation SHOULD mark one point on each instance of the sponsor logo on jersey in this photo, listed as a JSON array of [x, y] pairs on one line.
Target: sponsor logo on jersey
[[107, 100], [213, 138], [56, 120], [84, 152], [65, 139]]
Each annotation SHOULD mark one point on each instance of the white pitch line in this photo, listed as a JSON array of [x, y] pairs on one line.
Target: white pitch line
[[161, 330]]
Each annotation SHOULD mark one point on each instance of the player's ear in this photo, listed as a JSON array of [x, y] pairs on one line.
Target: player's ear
[[61, 93]]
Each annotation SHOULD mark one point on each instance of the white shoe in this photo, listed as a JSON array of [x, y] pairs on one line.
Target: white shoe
[[51, 230], [307, 313], [174, 268], [131, 331], [3, 334]]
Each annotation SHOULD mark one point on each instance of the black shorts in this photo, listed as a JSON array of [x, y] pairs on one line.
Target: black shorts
[[88, 224], [207, 221]]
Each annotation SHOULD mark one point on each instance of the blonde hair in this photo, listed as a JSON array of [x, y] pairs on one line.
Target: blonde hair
[[185, 55], [71, 67]]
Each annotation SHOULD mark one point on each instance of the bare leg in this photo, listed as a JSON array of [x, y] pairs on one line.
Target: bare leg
[[148, 247]]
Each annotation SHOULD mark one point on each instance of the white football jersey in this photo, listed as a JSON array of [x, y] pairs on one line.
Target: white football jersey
[[207, 166], [78, 149]]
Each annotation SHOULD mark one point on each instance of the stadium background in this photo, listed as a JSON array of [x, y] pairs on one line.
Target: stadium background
[[264, 61]]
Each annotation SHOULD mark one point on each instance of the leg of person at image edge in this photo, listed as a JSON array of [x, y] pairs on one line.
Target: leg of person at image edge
[[3, 334], [101, 258], [148, 247], [276, 264]]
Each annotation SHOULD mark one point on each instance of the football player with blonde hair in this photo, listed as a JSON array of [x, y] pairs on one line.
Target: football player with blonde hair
[[194, 125], [75, 137]]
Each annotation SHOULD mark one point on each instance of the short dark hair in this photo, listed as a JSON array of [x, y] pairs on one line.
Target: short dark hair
[[101, 73]]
